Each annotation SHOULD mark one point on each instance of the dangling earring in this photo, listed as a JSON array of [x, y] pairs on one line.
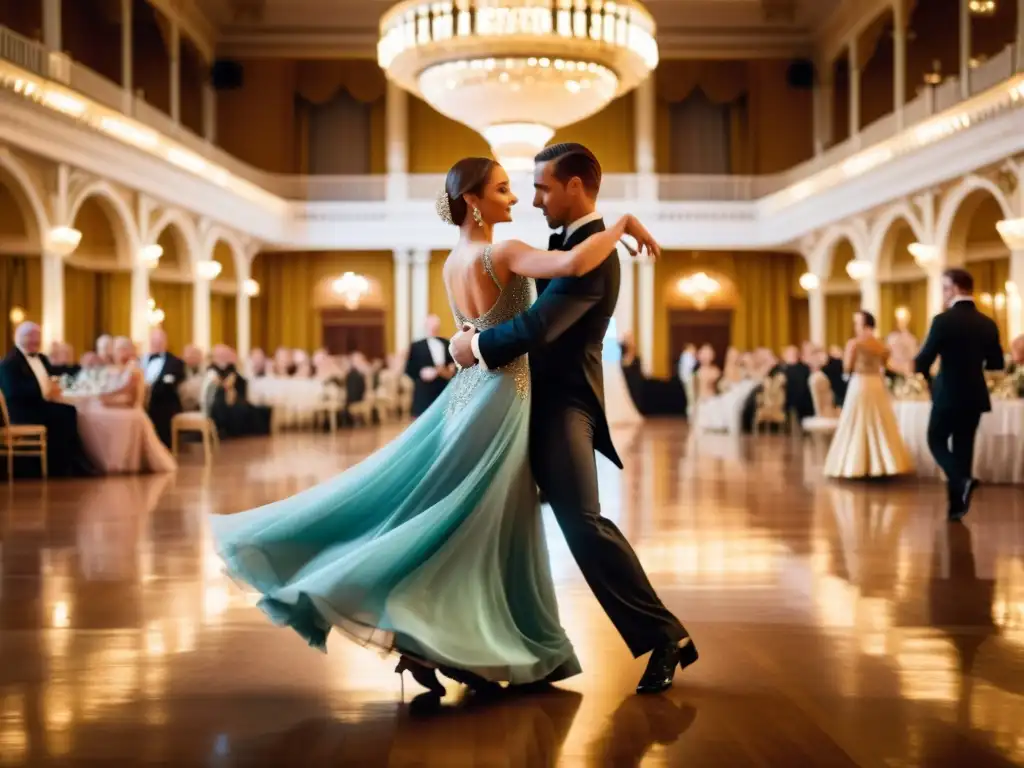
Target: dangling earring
[[478, 217]]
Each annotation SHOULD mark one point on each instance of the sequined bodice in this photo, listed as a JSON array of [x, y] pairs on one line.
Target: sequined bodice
[[867, 362], [512, 300]]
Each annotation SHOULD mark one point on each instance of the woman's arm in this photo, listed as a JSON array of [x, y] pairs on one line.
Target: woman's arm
[[523, 259], [848, 356]]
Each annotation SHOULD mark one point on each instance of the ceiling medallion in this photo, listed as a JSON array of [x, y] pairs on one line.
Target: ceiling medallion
[[517, 70]]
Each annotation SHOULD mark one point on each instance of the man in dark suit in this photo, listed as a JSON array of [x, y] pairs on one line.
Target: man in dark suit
[[164, 374], [430, 366], [833, 370], [968, 343], [31, 399], [563, 333]]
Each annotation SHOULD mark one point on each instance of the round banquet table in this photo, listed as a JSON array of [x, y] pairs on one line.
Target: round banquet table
[[998, 450]]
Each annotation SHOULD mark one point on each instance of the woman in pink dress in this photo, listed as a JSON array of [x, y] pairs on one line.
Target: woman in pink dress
[[117, 433]]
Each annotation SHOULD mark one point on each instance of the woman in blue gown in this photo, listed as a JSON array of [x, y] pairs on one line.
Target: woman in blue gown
[[433, 546]]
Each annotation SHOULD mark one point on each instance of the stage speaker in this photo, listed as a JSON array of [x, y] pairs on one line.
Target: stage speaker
[[800, 74], [227, 75]]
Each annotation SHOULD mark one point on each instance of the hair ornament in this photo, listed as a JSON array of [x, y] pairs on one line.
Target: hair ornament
[[443, 207]]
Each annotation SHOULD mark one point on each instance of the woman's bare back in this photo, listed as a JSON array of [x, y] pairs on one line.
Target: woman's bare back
[[473, 290]]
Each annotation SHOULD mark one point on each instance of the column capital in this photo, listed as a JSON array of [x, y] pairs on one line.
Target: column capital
[[401, 256], [420, 257]]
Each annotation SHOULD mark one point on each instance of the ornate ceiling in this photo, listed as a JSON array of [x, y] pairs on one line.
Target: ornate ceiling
[[686, 28]]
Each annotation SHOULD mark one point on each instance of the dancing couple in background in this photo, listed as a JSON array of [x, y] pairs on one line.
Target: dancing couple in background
[[433, 547]]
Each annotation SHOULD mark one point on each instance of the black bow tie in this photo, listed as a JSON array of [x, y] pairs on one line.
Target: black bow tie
[[556, 241], [32, 354]]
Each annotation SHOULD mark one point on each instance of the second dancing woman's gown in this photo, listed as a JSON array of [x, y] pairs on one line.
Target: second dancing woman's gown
[[867, 441], [432, 546]]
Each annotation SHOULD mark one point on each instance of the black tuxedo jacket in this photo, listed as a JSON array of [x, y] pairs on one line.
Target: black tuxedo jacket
[[20, 386], [424, 393], [968, 343], [163, 392], [563, 332], [833, 371]]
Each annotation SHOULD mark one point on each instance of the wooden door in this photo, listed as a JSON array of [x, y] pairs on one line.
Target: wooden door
[[357, 330], [698, 327]]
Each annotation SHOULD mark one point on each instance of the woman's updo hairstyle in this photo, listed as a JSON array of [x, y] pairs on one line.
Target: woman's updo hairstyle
[[467, 177], [867, 318]]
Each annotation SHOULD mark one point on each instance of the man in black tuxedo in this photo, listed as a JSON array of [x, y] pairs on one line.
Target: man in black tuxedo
[[31, 399], [430, 366], [164, 374], [563, 334], [968, 343], [833, 370]]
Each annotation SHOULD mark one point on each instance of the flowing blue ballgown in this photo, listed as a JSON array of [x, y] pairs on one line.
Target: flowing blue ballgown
[[432, 546]]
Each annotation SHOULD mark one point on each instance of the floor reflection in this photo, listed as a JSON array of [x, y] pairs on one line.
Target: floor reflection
[[839, 624]]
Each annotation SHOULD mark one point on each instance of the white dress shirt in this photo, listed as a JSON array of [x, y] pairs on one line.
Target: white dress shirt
[[436, 347], [36, 364], [154, 367]]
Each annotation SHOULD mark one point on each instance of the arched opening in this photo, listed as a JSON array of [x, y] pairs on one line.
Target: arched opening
[[97, 277], [842, 295], [903, 285], [170, 286], [974, 244], [224, 298], [21, 278], [352, 314]]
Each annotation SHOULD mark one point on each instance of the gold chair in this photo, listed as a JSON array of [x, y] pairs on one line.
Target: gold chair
[[332, 404], [199, 421], [826, 415], [771, 402], [21, 440]]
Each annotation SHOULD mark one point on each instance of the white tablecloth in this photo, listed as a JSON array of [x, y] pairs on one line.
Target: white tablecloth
[[293, 400], [998, 451]]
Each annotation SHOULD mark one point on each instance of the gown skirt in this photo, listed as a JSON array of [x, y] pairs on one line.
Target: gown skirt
[[433, 546], [867, 441]]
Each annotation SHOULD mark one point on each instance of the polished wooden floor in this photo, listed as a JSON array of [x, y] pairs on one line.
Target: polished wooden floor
[[839, 625]]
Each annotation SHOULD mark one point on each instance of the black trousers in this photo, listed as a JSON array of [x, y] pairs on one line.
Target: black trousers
[[951, 441], [564, 465]]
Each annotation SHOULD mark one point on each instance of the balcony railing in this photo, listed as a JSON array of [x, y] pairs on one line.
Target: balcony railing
[[33, 57]]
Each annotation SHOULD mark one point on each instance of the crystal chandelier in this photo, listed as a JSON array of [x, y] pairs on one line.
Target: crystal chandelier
[[698, 288], [154, 314], [351, 288], [515, 70]]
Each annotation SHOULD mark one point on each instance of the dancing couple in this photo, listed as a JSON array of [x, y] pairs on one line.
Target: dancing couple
[[433, 547]]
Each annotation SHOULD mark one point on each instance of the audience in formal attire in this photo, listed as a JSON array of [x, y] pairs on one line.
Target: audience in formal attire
[[105, 349], [430, 366], [798, 389], [62, 360], [33, 393], [164, 374], [258, 365], [231, 410]]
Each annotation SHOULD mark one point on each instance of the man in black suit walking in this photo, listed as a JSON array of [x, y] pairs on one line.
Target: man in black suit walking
[[164, 374], [430, 366], [968, 343], [563, 332]]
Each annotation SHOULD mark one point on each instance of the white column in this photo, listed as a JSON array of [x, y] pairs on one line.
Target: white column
[[1014, 301], [53, 299], [139, 302], [396, 115], [816, 306], [127, 71], [52, 38], [420, 292], [243, 342], [175, 56], [854, 89], [201, 332], [871, 295], [645, 315], [644, 119], [624, 309], [209, 113], [402, 326], [965, 49], [899, 43], [935, 303]]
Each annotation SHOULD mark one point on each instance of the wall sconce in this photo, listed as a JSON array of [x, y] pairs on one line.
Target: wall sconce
[[252, 288], [859, 269], [155, 315], [902, 315], [17, 315], [924, 255], [1012, 232], [63, 240], [208, 269], [810, 281], [150, 255]]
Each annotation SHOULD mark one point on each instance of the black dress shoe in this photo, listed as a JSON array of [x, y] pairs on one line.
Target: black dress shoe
[[661, 667], [969, 488]]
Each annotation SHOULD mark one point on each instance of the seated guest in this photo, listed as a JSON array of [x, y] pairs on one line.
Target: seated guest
[[430, 366], [798, 388], [258, 366], [303, 366], [833, 370], [192, 357], [116, 431], [105, 349], [231, 410], [1016, 355], [33, 398], [164, 374], [284, 365], [62, 360], [195, 370]]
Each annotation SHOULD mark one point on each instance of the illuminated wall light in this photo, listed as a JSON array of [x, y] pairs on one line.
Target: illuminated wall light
[[1012, 232], [16, 315], [208, 269], [63, 240], [252, 288], [902, 314], [924, 255], [810, 281], [859, 269], [150, 255]]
